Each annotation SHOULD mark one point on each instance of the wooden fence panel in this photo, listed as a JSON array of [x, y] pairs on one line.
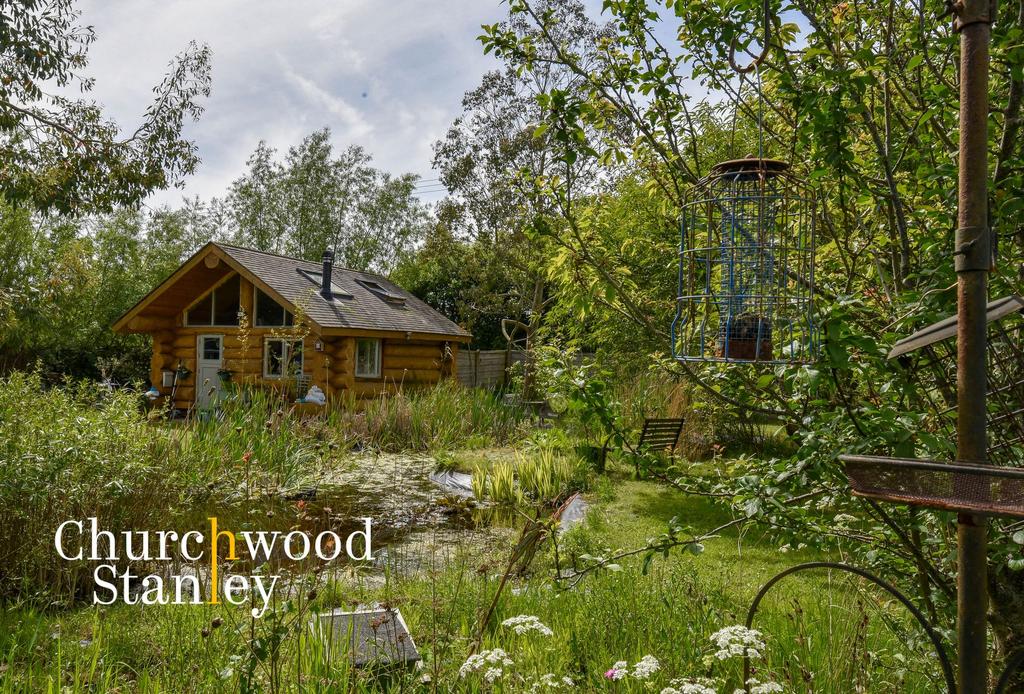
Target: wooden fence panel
[[488, 368]]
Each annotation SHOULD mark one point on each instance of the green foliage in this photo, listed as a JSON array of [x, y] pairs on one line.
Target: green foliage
[[581, 389], [67, 281], [466, 281], [428, 419], [316, 199], [67, 454], [862, 104], [61, 153]]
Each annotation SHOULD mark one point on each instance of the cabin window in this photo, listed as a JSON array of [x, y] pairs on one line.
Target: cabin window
[[368, 358], [269, 313], [281, 357], [218, 308]]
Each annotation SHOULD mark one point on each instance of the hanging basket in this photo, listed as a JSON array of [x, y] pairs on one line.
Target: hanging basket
[[746, 267]]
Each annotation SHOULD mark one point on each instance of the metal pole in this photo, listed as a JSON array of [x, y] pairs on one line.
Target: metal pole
[[973, 259]]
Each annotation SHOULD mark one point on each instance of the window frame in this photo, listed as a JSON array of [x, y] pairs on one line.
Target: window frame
[[379, 348], [211, 292], [256, 291], [201, 348], [287, 349]]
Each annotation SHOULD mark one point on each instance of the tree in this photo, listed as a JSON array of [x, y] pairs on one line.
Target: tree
[[255, 205], [501, 163], [61, 153], [316, 199], [862, 103], [467, 282]]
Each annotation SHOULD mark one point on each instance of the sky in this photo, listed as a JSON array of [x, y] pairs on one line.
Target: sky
[[387, 75]]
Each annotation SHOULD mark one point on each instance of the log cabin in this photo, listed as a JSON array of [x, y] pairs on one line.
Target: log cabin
[[240, 316]]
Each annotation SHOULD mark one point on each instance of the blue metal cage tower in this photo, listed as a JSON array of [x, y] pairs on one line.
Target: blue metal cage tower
[[746, 267]]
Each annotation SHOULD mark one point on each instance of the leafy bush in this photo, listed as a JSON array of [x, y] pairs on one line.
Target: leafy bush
[[72, 453]]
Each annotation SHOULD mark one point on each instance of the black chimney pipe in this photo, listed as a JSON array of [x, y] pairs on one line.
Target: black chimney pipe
[[325, 286]]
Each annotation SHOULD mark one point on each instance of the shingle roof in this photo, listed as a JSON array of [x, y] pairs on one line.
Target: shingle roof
[[361, 308]]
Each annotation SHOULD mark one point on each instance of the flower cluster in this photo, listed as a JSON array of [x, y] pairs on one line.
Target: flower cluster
[[642, 669], [551, 681], [617, 671], [701, 685], [491, 662], [647, 666], [737, 641], [525, 623], [755, 687]]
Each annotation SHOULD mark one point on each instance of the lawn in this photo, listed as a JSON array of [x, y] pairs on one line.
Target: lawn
[[819, 623]]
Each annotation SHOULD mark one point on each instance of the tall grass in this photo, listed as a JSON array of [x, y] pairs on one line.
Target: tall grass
[[823, 633], [80, 451], [443, 417], [542, 475]]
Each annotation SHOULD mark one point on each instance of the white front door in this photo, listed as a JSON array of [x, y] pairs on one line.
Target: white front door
[[209, 350]]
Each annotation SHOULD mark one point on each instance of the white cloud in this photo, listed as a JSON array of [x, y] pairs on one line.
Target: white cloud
[[385, 75], [353, 125]]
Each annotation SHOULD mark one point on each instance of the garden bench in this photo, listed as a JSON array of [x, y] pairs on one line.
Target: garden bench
[[661, 434]]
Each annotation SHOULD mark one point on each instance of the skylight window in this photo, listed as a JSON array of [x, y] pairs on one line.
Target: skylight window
[[383, 293], [317, 278]]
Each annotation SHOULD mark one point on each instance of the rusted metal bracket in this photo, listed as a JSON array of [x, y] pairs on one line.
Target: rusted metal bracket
[[973, 249], [965, 14]]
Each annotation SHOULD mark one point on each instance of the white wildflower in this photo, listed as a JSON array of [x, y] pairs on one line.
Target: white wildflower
[[647, 666], [494, 660], [701, 685], [525, 623], [619, 670], [551, 681], [472, 664], [737, 641], [755, 687]]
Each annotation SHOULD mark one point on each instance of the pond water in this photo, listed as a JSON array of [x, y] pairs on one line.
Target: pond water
[[416, 523]]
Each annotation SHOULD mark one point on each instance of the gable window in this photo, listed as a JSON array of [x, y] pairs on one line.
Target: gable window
[[269, 313], [217, 308], [368, 358], [281, 357]]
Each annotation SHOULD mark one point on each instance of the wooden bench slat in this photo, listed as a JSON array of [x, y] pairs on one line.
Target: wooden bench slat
[[661, 433]]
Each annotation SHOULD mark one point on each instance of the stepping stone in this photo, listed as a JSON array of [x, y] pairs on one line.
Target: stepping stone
[[368, 637]]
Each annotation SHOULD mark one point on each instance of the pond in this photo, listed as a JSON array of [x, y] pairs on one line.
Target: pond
[[416, 522]]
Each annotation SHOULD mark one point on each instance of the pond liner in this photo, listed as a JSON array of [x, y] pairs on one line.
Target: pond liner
[[458, 483], [572, 513]]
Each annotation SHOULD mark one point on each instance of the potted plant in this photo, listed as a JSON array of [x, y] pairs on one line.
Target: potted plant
[[225, 375]]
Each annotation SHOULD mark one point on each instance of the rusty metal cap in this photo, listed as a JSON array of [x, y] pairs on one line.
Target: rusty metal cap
[[750, 165]]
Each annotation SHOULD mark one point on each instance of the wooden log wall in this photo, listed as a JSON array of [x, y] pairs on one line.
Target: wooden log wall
[[404, 363], [339, 357]]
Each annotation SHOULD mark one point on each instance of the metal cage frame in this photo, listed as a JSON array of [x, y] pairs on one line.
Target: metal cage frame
[[930, 354], [746, 267]]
